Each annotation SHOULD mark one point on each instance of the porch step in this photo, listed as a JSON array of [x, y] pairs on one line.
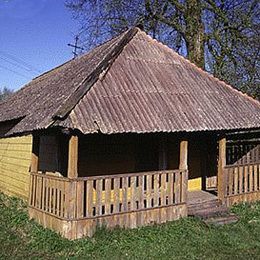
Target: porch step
[[212, 212], [195, 208], [218, 221]]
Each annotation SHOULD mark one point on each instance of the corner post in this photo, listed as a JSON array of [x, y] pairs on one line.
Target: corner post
[[221, 166], [183, 166], [72, 189], [73, 157], [35, 153]]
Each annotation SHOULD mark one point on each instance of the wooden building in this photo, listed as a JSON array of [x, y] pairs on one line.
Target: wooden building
[[121, 135]]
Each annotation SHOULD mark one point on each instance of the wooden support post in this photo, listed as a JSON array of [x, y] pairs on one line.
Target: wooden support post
[[71, 203], [35, 154], [73, 157], [183, 165], [221, 165]]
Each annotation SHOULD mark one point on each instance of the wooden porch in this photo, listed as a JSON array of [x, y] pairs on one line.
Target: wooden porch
[[76, 206]]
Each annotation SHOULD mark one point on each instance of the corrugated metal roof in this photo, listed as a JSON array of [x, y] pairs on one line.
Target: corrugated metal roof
[[44, 95], [148, 88]]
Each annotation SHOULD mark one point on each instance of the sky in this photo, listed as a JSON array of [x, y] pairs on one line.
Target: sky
[[33, 39]]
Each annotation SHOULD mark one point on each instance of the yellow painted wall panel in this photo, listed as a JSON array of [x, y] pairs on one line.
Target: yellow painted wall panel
[[15, 159], [194, 184]]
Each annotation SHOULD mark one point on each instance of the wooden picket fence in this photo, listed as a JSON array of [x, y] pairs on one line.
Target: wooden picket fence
[[49, 194], [242, 183], [242, 179], [98, 196], [242, 174]]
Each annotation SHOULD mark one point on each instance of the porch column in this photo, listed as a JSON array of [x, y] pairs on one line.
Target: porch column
[[221, 165], [35, 153], [183, 166], [73, 157]]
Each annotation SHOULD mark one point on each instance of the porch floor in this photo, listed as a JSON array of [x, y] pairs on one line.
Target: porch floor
[[200, 196]]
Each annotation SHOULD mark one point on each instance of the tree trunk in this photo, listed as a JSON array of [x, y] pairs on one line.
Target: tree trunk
[[195, 32]]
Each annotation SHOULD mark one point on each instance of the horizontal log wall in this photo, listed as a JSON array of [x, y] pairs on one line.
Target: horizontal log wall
[[242, 183], [15, 159], [125, 200]]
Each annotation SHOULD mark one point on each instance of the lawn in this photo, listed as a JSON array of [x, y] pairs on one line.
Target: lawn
[[183, 239]]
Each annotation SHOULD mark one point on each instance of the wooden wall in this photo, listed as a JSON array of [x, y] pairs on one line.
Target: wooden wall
[[101, 155], [98, 155], [112, 154], [48, 156], [53, 155], [15, 158]]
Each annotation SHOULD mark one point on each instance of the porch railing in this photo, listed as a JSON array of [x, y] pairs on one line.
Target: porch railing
[[242, 179], [243, 153], [93, 197]]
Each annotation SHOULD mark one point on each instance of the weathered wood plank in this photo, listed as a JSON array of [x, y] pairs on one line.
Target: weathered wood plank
[[245, 179], [35, 153], [241, 180], [163, 189], [63, 199], [184, 186], [221, 165], [141, 192], [251, 178], [148, 191], [177, 189], [133, 193], [107, 196], [255, 178], [124, 193], [80, 199], [99, 190], [171, 188], [230, 181], [157, 192], [73, 157], [89, 198], [236, 181], [58, 197], [183, 165], [116, 194]]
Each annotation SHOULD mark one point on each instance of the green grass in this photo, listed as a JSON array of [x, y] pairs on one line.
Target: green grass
[[183, 239]]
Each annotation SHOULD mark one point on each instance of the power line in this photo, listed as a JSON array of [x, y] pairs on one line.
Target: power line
[[15, 64], [20, 61], [15, 72]]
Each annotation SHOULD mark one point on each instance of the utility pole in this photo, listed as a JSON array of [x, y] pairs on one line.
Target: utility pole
[[76, 47]]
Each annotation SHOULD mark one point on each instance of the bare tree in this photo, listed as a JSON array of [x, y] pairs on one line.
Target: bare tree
[[4, 93]]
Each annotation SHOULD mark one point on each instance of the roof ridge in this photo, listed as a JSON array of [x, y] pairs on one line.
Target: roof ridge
[[204, 71], [91, 79]]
